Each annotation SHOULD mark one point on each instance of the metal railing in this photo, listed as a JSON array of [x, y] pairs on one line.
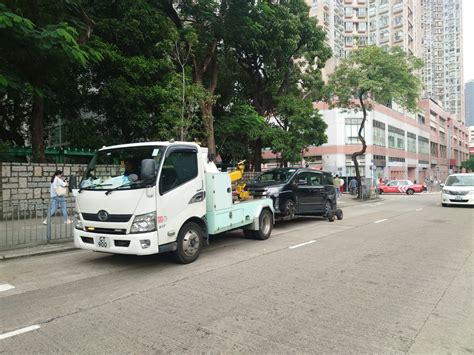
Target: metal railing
[[27, 223]]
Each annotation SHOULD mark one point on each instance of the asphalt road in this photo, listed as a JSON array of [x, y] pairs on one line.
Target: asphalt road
[[393, 276]]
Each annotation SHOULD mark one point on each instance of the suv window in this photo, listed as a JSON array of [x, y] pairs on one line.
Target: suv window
[[316, 179], [179, 167], [303, 179]]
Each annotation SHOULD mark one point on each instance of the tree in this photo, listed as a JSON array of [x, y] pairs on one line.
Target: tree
[[201, 25], [281, 50], [468, 164], [126, 96], [371, 74], [37, 45], [296, 126]]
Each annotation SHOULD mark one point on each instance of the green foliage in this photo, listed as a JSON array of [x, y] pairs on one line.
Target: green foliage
[[373, 74], [468, 164], [297, 126], [38, 48], [236, 130], [129, 95]]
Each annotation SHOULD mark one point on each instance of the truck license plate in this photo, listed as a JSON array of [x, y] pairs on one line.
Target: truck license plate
[[103, 242]]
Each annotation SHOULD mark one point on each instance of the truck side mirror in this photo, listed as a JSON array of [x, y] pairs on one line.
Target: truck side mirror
[[147, 170], [72, 182]]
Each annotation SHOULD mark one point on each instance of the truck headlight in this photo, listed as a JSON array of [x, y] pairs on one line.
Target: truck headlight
[[78, 222], [144, 223]]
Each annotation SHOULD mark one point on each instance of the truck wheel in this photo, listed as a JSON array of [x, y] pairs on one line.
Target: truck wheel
[[339, 214], [410, 192], [265, 226], [290, 209], [190, 241]]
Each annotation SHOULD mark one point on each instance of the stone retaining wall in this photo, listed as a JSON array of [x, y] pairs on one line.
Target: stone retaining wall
[[23, 183]]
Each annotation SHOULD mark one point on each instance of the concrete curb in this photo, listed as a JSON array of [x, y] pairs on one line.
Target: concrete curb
[[37, 250]]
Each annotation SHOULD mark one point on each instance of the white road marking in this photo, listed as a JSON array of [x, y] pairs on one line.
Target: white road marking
[[6, 287], [418, 209], [19, 331], [381, 220], [302, 244], [438, 204]]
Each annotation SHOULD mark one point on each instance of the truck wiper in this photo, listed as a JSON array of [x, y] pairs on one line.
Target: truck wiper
[[93, 186], [128, 183]]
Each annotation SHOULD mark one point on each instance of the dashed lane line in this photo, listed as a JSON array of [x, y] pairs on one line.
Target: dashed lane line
[[380, 220], [302, 244], [6, 287], [19, 331], [418, 209]]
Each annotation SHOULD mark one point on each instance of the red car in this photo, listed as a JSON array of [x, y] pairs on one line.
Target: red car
[[399, 186]]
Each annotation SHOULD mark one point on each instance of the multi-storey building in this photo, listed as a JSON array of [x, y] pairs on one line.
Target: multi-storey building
[[469, 103], [427, 145], [441, 26], [428, 29]]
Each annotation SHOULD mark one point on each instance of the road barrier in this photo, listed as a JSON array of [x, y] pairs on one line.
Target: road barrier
[[22, 225]]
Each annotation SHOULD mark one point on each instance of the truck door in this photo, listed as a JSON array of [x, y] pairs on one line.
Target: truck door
[[180, 191]]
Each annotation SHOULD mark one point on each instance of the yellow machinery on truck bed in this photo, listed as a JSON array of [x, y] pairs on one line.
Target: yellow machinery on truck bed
[[237, 175]]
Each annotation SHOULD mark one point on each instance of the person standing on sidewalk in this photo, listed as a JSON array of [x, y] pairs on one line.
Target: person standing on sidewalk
[[56, 200], [337, 186]]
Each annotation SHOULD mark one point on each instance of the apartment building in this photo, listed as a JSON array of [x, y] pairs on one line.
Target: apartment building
[[469, 103], [427, 145], [428, 29], [441, 27]]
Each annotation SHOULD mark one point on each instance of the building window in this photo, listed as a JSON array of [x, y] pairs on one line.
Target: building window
[[434, 149], [421, 118], [352, 130], [396, 160], [423, 145], [396, 138], [411, 142], [380, 160], [379, 133]]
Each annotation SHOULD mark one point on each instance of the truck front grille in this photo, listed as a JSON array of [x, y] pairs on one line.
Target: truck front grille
[[110, 218], [106, 230]]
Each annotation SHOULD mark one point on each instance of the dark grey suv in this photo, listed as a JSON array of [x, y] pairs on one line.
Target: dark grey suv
[[297, 191]]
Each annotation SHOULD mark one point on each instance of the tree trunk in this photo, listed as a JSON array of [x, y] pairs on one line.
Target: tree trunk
[[37, 129], [364, 147], [209, 123]]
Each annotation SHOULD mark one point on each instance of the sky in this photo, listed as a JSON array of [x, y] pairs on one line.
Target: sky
[[468, 33]]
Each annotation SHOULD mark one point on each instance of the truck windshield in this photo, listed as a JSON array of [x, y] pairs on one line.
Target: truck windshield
[[119, 168], [276, 175]]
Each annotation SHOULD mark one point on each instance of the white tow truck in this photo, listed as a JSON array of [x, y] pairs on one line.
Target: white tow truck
[[155, 197]]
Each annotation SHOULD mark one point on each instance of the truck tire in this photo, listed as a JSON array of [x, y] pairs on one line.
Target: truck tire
[[265, 226], [190, 241]]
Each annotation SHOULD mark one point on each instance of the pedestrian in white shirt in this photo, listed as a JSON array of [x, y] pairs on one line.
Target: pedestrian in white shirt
[[58, 200]]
